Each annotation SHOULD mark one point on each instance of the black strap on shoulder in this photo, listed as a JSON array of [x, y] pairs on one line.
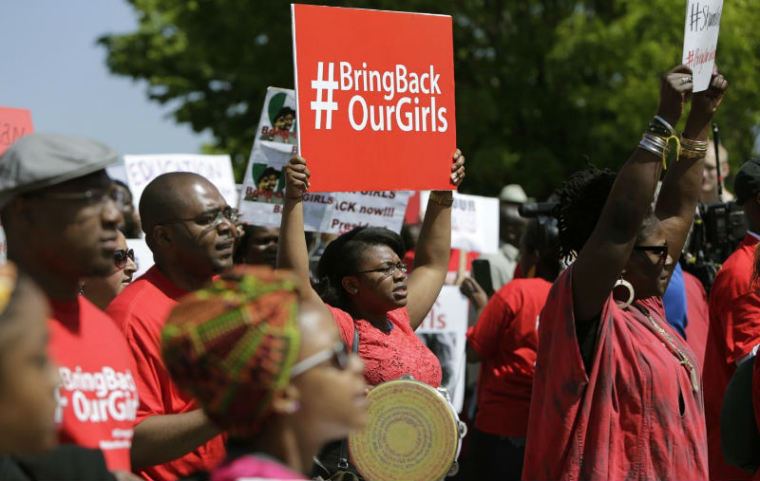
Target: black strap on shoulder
[[355, 346], [343, 456]]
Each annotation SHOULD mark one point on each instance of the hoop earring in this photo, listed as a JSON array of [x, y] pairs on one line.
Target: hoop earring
[[629, 287]]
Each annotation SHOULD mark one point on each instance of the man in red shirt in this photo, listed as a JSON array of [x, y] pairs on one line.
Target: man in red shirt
[[191, 231], [734, 320], [60, 225]]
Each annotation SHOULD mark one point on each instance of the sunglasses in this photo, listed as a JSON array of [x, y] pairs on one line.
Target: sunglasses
[[338, 353], [120, 257], [661, 251]]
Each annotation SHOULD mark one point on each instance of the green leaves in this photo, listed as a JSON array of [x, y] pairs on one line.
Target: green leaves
[[543, 87]]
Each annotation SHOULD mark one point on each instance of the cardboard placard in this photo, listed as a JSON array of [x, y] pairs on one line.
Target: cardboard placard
[[264, 181], [142, 169], [14, 124], [375, 95], [700, 39], [444, 331], [474, 222]]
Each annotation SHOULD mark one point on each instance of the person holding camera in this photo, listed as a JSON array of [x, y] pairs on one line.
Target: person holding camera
[[734, 333]]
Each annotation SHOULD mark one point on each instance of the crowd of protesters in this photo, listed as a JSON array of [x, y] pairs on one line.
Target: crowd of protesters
[[245, 353]]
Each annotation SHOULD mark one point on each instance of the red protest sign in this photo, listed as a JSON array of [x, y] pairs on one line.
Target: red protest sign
[[375, 96], [14, 124]]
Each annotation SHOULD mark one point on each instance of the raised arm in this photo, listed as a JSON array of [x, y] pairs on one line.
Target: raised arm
[[680, 189], [431, 257], [607, 250], [292, 252]]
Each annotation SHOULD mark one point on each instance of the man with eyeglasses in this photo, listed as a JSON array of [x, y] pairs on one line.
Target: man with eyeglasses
[[191, 231], [60, 225]]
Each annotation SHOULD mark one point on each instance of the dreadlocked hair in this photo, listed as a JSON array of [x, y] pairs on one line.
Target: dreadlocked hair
[[580, 202], [342, 256]]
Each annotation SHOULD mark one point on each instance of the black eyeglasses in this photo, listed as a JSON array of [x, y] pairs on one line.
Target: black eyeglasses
[[388, 270], [339, 353], [120, 257], [211, 218], [661, 250]]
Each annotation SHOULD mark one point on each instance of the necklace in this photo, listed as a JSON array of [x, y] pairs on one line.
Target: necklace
[[683, 359]]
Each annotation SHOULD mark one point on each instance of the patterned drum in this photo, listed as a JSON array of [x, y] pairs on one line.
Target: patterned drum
[[412, 433]]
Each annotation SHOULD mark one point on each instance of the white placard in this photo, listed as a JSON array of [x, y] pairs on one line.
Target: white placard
[[474, 222], [377, 209], [444, 331], [700, 39], [143, 256], [141, 169], [264, 181]]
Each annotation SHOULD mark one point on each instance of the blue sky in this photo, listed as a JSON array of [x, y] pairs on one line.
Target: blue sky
[[51, 65]]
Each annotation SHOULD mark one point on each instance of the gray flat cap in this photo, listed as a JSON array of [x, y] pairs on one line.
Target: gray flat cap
[[39, 160]]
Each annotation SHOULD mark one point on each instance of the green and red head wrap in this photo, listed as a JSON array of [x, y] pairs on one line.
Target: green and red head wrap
[[232, 345]]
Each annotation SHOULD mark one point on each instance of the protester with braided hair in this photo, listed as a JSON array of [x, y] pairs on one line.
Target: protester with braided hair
[[616, 393], [268, 368]]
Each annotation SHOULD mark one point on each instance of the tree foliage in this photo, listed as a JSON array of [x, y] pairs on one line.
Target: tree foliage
[[543, 87]]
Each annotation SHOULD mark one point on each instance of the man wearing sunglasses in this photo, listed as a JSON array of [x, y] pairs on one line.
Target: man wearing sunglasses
[[191, 231], [60, 226]]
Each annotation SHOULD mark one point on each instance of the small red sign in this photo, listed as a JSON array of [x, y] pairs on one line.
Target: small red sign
[[14, 124], [375, 96]]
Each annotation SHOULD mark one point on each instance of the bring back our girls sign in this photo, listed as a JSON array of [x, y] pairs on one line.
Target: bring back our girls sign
[[375, 96]]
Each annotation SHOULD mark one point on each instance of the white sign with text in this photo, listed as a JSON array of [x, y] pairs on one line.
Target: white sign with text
[[474, 222], [444, 331], [700, 39], [142, 169]]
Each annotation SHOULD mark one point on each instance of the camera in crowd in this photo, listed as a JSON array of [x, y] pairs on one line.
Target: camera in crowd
[[718, 229]]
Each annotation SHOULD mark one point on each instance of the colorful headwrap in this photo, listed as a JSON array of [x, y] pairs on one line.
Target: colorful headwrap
[[232, 345]]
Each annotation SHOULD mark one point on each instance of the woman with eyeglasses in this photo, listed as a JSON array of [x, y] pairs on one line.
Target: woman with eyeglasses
[[102, 290], [364, 284], [617, 392], [268, 367]]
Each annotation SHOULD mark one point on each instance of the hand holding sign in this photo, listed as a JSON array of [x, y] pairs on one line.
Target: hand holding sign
[[704, 105], [296, 178], [457, 168], [675, 90]]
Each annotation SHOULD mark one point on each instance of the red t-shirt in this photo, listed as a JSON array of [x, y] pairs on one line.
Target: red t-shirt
[[97, 398], [506, 337], [389, 355], [141, 309], [698, 314], [734, 331], [622, 420]]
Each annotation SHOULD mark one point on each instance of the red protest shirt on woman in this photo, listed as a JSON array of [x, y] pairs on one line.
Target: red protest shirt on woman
[[97, 398], [506, 338], [734, 332], [388, 355], [633, 415]]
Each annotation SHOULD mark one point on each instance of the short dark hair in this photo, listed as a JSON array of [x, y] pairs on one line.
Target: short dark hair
[[581, 200], [342, 256], [283, 112], [541, 236]]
